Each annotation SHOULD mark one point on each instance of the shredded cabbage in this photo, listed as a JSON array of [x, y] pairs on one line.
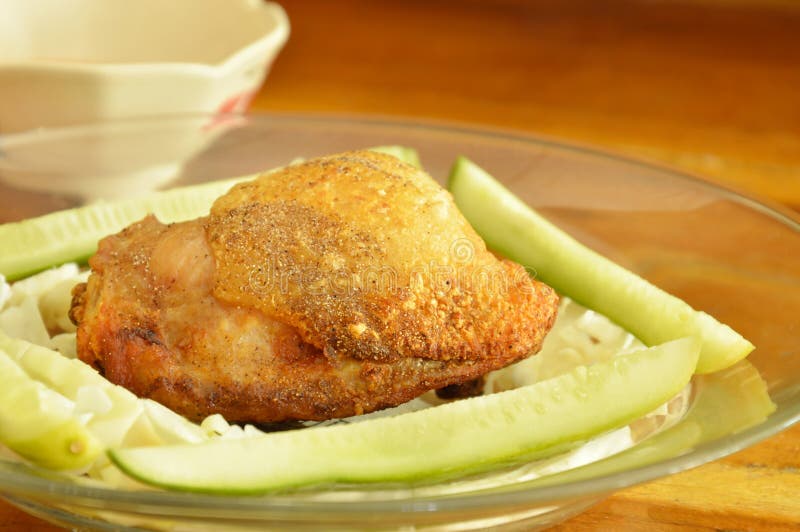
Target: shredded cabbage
[[35, 310]]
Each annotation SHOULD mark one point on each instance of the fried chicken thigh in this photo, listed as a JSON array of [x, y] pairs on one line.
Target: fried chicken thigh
[[335, 287]]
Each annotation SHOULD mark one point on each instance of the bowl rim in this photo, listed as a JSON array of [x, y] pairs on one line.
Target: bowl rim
[[267, 45], [24, 483]]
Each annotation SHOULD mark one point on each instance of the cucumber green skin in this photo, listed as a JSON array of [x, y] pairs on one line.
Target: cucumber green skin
[[43, 435], [738, 391], [63, 375], [521, 234], [32, 245], [65, 447], [468, 435], [404, 153], [71, 235], [68, 376]]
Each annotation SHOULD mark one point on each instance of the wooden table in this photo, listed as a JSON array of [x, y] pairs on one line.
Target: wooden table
[[708, 86]]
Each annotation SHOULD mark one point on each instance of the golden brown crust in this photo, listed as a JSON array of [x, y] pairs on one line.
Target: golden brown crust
[[78, 303], [329, 289], [368, 256]]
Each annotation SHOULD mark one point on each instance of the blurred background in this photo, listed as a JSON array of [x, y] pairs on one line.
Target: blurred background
[[709, 86]]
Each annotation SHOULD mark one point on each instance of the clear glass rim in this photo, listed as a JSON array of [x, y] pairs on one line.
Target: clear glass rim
[[766, 206], [21, 483]]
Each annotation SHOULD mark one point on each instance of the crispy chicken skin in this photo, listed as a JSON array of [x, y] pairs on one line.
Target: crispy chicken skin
[[330, 288]]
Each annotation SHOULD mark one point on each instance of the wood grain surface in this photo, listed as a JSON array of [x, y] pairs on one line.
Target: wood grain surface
[[711, 87]]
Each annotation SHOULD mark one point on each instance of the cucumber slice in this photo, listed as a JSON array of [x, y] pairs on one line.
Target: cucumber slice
[[114, 410], [518, 232], [738, 391], [38, 424], [454, 438], [404, 153], [71, 235]]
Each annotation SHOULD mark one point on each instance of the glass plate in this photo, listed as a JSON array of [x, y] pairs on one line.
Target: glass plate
[[729, 255]]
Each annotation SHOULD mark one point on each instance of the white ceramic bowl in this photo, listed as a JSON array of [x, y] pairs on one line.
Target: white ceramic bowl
[[82, 61]]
